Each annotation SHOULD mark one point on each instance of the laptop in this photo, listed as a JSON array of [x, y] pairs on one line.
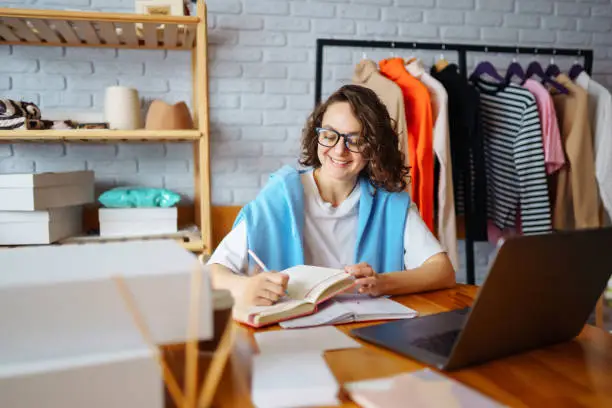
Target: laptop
[[540, 291]]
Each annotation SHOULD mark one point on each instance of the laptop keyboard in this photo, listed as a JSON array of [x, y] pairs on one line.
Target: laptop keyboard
[[440, 344]]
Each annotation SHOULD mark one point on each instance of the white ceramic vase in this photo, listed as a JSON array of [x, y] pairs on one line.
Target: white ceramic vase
[[122, 108]]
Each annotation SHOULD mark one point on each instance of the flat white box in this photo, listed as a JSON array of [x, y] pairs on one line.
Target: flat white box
[[40, 227], [131, 222], [60, 302], [128, 379], [41, 191]]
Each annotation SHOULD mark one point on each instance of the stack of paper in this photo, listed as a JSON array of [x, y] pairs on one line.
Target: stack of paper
[[293, 380], [290, 370], [353, 308]]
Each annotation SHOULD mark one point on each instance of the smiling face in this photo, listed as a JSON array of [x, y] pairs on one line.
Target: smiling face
[[358, 113], [339, 163]]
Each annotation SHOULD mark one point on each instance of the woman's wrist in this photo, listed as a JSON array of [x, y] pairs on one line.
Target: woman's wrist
[[435, 273], [389, 283], [224, 278]]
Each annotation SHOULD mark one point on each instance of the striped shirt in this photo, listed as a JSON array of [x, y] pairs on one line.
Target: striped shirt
[[514, 158]]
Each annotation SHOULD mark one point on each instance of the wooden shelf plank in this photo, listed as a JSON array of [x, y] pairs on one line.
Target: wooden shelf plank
[[98, 135], [95, 29], [96, 16], [193, 246]]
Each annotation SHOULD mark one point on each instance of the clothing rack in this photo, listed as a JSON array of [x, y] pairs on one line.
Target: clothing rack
[[462, 50]]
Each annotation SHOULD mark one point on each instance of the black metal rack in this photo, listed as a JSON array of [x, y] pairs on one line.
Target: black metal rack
[[462, 50]]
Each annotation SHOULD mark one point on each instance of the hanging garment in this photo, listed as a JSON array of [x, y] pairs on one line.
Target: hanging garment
[[514, 154], [554, 157], [446, 220], [575, 200], [600, 118], [466, 147], [366, 74], [420, 128]]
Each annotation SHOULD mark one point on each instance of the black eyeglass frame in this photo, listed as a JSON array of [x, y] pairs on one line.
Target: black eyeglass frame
[[340, 135]]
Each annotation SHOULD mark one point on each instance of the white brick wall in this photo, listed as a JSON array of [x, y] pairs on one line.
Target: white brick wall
[[262, 75]]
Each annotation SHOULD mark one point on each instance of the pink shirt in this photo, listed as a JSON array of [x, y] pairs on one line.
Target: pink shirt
[[554, 157]]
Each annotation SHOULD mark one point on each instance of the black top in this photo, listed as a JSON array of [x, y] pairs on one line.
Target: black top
[[467, 148]]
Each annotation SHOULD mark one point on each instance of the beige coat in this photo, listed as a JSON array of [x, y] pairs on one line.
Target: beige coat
[[366, 74], [576, 202]]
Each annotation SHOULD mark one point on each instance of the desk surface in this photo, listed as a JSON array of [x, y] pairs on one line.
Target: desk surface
[[576, 373]]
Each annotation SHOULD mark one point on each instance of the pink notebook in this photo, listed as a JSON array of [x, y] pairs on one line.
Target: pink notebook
[[420, 389]]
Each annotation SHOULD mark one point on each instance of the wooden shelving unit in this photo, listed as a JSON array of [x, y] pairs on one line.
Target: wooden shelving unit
[[57, 28], [94, 29]]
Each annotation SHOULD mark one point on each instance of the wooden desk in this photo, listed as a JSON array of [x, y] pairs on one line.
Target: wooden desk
[[577, 373]]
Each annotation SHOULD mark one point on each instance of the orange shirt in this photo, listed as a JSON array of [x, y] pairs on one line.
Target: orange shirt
[[417, 104]]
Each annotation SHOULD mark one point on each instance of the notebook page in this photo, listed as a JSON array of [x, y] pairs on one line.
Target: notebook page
[[316, 339], [368, 308], [303, 278], [282, 305], [292, 380], [330, 313]]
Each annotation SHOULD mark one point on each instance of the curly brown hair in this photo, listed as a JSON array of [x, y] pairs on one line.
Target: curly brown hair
[[385, 168]]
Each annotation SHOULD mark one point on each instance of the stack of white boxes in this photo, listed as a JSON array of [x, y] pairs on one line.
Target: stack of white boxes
[[137, 222], [42, 208], [68, 338]]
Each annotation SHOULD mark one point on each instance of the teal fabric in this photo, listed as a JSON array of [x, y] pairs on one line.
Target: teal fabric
[[126, 197]]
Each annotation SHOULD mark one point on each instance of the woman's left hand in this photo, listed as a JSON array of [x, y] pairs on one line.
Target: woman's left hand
[[366, 279]]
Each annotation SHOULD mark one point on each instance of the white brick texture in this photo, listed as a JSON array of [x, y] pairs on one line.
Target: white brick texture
[[261, 59]]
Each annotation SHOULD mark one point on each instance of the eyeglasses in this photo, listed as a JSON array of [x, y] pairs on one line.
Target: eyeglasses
[[330, 138]]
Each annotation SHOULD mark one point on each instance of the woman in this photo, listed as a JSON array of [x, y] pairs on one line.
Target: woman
[[349, 210]]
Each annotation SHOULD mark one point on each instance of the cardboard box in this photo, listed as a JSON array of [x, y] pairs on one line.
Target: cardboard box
[[60, 302], [134, 222], [41, 191], [127, 379], [40, 227]]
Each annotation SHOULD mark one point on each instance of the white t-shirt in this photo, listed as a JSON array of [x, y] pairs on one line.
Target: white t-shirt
[[330, 234]]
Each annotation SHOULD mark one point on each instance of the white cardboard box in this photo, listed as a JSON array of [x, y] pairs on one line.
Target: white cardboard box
[[40, 227], [60, 302], [129, 379], [130, 222], [41, 191]]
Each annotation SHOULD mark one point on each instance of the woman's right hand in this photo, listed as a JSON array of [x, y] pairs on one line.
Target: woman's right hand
[[265, 288]]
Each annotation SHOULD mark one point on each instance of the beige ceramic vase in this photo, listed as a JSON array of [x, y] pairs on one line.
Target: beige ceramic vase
[[163, 116]]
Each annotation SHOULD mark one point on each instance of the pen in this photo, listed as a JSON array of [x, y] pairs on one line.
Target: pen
[[256, 259], [261, 264]]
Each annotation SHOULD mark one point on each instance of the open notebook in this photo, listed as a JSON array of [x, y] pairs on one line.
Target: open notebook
[[347, 308], [308, 286]]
